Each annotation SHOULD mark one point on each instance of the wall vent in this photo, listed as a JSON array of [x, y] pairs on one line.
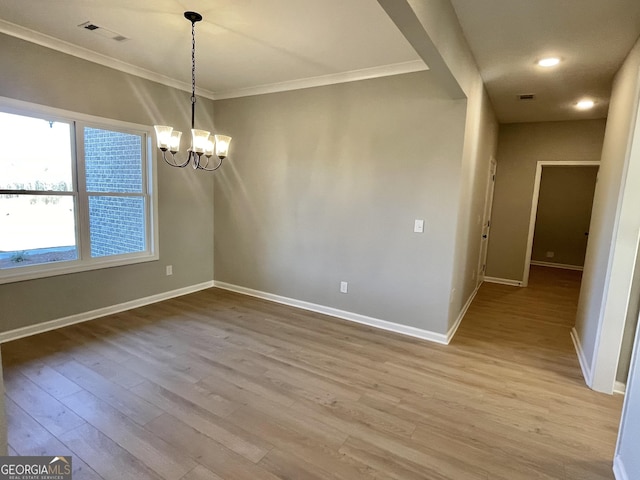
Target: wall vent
[[103, 32], [527, 96]]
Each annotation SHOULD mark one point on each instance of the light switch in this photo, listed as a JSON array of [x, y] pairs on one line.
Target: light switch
[[418, 226]]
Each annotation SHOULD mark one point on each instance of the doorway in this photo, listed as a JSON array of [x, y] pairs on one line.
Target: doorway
[[486, 220], [560, 215]]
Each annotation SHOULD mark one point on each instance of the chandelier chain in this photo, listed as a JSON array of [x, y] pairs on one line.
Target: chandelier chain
[[193, 74], [193, 62]]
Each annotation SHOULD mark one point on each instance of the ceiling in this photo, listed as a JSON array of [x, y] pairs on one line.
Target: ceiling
[[592, 37], [255, 46], [241, 44]]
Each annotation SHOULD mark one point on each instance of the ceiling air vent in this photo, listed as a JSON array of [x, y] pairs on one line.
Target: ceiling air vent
[[527, 96], [103, 32]]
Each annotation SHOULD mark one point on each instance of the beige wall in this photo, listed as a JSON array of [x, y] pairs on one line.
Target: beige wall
[[36, 74], [615, 226], [440, 22], [630, 327], [520, 147], [428, 292], [479, 147], [324, 186], [563, 214]]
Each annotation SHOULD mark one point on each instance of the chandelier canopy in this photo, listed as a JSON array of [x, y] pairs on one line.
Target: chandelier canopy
[[203, 144]]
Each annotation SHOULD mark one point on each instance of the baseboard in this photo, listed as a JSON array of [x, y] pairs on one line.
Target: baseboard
[[342, 314], [586, 370], [454, 328], [620, 388], [503, 281], [618, 469], [557, 265], [101, 312]]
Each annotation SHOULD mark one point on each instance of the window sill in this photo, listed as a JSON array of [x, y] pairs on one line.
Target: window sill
[[21, 274]]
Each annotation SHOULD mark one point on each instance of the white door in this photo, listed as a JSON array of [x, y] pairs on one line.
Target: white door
[[486, 221]]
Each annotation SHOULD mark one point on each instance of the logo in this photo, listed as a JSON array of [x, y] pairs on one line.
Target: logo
[[35, 468]]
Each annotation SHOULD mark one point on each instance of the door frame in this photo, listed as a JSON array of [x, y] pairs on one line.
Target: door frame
[[534, 205], [486, 220]]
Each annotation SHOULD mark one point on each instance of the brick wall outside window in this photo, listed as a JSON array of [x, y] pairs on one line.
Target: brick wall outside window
[[113, 164]]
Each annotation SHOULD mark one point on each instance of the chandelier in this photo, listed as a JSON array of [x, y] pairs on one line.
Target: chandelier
[[203, 144]]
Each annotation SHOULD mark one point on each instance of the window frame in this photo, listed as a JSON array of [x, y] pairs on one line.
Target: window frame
[[84, 262]]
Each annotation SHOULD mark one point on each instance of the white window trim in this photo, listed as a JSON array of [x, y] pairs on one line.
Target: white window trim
[[150, 180]]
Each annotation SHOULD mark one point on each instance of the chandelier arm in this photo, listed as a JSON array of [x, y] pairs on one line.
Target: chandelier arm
[[211, 169], [174, 163]]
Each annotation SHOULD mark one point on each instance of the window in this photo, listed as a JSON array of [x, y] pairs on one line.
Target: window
[[76, 192]]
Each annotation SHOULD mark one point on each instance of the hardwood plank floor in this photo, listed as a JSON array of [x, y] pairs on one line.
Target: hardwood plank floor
[[217, 385]]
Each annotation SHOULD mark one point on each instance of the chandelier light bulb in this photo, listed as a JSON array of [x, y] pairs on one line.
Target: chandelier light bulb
[[163, 136], [209, 148], [174, 142], [222, 145], [199, 140]]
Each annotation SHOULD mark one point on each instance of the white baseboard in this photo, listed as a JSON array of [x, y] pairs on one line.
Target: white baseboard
[[101, 312], [619, 470], [562, 266], [344, 315], [586, 370], [620, 388], [454, 328], [503, 281]]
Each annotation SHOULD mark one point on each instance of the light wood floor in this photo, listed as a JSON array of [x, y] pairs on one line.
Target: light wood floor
[[217, 385]]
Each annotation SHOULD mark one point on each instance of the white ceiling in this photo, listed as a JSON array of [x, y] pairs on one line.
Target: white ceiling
[[507, 37], [240, 43], [251, 46]]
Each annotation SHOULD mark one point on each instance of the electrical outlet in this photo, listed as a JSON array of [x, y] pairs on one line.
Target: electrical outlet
[[551, 254], [344, 287], [169, 270]]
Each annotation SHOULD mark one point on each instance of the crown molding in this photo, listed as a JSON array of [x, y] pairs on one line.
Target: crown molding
[[323, 80], [53, 43]]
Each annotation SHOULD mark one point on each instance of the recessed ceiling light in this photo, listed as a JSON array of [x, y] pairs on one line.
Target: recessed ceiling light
[[549, 62], [585, 104]]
